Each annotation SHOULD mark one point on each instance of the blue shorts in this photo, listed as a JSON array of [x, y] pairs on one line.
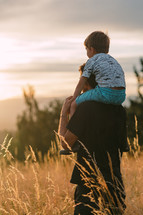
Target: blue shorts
[[103, 94]]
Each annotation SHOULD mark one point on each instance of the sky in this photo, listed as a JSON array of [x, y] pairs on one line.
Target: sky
[[39, 38], [39, 34]]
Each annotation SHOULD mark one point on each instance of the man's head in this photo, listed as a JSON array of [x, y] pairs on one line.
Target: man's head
[[90, 83], [97, 42]]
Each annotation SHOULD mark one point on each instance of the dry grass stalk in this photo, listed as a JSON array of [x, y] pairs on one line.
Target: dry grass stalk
[[45, 189], [135, 149]]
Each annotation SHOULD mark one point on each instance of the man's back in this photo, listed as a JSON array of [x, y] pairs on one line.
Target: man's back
[[102, 130]]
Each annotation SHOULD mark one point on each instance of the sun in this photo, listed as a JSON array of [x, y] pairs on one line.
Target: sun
[[6, 46]]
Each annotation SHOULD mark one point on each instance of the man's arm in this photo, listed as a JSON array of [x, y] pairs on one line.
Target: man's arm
[[67, 138]]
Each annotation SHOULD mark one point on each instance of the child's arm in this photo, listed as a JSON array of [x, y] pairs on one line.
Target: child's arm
[[79, 86]]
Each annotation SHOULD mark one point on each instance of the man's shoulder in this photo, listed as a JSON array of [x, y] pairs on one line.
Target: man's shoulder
[[91, 107], [88, 104]]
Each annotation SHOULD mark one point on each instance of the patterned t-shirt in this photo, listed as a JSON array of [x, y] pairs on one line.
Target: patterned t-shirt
[[107, 71]]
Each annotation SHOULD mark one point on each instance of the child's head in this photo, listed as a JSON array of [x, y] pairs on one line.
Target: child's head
[[97, 41]]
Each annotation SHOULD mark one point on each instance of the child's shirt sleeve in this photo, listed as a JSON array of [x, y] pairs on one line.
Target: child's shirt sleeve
[[89, 68]]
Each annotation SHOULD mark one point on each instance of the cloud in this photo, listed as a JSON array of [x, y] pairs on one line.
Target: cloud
[[47, 18], [49, 31]]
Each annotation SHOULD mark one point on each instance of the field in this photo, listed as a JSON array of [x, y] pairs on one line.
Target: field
[[44, 189]]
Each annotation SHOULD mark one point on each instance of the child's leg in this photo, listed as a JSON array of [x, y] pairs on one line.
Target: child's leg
[[90, 95], [73, 108], [112, 96], [75, 147], [102, 94]]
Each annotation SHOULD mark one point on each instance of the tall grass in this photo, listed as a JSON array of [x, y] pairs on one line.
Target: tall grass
[[35, 188], [135, 148], [132, 169]]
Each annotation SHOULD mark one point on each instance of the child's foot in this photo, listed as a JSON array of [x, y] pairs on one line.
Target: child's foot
[[65, 152], [74, 149]]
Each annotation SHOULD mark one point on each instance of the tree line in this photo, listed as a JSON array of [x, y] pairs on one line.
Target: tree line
[[136, 108], [36, 126]]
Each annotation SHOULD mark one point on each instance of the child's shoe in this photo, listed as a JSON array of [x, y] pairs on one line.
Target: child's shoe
[[74, 149]]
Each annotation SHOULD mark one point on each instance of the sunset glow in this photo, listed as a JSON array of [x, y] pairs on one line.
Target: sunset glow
[[15, 52], [20, 56], [11, 53], [41, 44]]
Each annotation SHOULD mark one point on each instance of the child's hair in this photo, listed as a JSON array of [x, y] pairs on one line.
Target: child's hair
[[99, 41], [91, 80]]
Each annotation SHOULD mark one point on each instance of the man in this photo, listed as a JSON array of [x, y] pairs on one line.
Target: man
[[102, 130]]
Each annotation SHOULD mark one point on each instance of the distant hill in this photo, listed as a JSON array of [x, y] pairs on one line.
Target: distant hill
[[10, 108]]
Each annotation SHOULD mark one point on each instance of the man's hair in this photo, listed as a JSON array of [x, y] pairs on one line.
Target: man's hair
[[91, 80], [99, 41]]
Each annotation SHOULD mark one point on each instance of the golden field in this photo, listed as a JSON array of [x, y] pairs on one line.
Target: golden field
[[36, 188]]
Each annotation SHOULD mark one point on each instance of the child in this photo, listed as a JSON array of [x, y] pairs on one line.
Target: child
[[109, 76], [108, 73]]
